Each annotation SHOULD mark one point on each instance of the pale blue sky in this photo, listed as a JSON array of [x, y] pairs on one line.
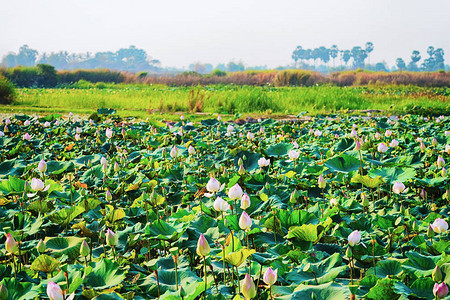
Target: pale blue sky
[[258, 32]]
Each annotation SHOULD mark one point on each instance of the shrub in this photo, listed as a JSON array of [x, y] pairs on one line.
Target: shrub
[[7, 91], [298, 78], [219, 73]]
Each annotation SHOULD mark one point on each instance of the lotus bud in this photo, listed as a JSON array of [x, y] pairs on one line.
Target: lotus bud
[[440, 290], [89, 163], [3, 292], [202, 246], [444, 172], [47, 124], [11, 244], [447, 149], [333, 202], [354, 238], [434, 142], [439, 225], [84, 249], [446, 133], [294, 197], [79, 130], [54, 292], [293, 154], [394, 143], [388, 133], [437, 274], [6, 129], [248, 287], [235, 193], [241, 170], [250, 135], [27, 123], [358, 145], [103, 160], [41, 246], [422, 146], [42, 166], [240, 161], [245, 222], [109, 133], [430, 232], [440, 162], [245, 201], [321, 181], [191, 150], [174, 152], [77, 137], [221, 205], [219, 118], [7, 121], [108, 195], [2, 134], [111, 238], [70, 114], [270, 276], [116, 167], [382, 148], [365, 200], [26, 136], [104, 168], [377, 135], [354, 133], [295, 144], [398, 187], [213, 185]]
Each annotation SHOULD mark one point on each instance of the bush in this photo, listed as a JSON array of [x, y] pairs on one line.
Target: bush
[[298, 78], [7, 91], [219, 73]]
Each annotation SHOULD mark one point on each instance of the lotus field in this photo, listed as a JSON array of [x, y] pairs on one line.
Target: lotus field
[[334, 208]]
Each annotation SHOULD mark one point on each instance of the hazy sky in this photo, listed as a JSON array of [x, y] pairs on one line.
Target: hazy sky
[[258, 32]]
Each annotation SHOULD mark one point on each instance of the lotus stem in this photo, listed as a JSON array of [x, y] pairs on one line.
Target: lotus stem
[[206, 279]]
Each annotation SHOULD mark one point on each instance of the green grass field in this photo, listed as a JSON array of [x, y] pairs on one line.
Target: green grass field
[[151, 101]]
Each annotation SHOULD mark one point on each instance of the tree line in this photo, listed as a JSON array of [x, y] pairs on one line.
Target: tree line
[[357, 56], [130, 59]]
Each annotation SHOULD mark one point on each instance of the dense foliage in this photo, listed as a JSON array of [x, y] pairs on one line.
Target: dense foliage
[[315, 210], [7, 91]]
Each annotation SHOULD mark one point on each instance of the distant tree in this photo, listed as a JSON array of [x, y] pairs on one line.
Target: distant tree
[[26, 56], [429, 64], [346, 55], [359, 55], [415, 57], [47, 75], [296, 54], [315, 55], [380, 67], [400, 63], [235, 67], [369, 49], [324, 54], [430, 51], [438, 56], [221, 67], [334, 51], [9, 60]]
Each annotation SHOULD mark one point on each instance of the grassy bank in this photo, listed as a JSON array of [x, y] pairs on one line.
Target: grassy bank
[[143, 100]]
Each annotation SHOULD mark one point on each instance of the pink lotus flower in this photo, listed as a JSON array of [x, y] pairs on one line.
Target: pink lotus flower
[[11, 244], [111, 238], [245, 222], [235, 193], [440, 290], [398, 187], [245, 201], [382, 148], [26, 137], [203, 248], [354, 238], [42, 166], [262, 162], [439, 225], [248, 287], [270, 276], [109, 133], [54, 292], [221, 205]]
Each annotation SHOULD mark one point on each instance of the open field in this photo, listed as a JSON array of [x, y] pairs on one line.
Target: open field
[[143, 101]]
